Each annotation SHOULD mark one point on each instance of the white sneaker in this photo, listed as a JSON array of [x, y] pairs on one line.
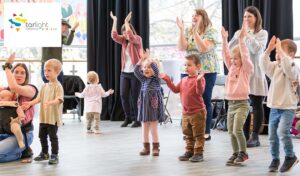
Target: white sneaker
[[89, 131], [97, 132]]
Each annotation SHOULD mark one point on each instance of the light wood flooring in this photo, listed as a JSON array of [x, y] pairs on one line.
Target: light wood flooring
[[115, 152]]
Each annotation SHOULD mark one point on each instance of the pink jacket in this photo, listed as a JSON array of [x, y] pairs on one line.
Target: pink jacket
[[135, 49], [237, 82]]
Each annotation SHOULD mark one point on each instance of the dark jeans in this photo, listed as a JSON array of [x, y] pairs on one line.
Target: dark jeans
[[129, 85], [60, 77], [258, 114], [210, 79], [51, 130]]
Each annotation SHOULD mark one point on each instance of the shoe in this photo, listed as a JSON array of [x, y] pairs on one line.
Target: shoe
[[207, 137], [89, 130], [196, 158], [146, 149], [42, 157], [53, 159], [27, 153], [253, 141], [242, 156], [155, 149], [126, 122], [230, 161], [288, 163], [186, 156], [97, 132], [136, 124], [274, 165]]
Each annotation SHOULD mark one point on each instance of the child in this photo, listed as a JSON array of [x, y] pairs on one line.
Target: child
[[92, 95], [51, 98], [191, 89], [7, 97], [237, 89], [282, 99], [150, 102]]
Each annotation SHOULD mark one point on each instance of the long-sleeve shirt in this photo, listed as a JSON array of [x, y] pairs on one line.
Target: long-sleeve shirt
[[256, 43], [92, 95], [237, 82], [135, 47], [56, 52], [284, 81], [191, 91]]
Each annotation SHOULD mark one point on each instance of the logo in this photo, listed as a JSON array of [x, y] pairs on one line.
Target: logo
[[17, 21]]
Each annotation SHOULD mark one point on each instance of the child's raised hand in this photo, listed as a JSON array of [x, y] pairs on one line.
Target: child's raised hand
[[112, 16], [127, 19], [11, 58], [146, 54], [111, 91], [180, 24], [272, 44], [224, 34]]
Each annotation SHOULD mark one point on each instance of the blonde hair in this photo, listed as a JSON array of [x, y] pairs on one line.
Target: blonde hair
[[92, 77], [55, 64], [290, 45], [236, 51]]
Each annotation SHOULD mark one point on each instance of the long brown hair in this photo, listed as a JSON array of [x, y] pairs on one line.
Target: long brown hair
[[258, 23], [205, 20], [26, 72]]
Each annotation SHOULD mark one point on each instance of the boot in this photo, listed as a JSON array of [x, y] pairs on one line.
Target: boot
[[253, 141], [146, 149], [155, 149], [126, 122]]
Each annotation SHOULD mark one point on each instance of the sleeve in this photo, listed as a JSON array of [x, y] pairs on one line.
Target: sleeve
[[257, 43], [200, 85], [117, 38], [134, 39], [289, 67], [247, 64], [171, 85], [138, 72], [226, 54], [82, 94], [59, 93], [155, 69], [266, 65], [103, 93], [68, 40], [234, 40]]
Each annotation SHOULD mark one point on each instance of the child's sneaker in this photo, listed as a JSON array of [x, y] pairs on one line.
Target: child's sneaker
[[53, 159], [196, 158], [97, 132], [41, 157], [230, 161], [288, 163], [186, 156], [274, 165], [89, 130], [242, 156]]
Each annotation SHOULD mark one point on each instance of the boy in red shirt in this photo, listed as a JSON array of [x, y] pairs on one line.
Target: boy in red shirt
[[191, 89]]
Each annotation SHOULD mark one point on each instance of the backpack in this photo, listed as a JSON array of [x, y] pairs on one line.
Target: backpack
[[219, 115], [7, 110]]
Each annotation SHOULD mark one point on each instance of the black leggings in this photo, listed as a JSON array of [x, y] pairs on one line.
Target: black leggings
[[258, 114]]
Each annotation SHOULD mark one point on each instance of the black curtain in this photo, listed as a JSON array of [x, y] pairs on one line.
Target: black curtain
[[277, 16], [103, 55]]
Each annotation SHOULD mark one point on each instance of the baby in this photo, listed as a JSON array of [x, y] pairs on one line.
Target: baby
[[14, 124]]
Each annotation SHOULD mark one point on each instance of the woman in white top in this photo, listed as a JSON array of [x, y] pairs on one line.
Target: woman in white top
[[256, 41]]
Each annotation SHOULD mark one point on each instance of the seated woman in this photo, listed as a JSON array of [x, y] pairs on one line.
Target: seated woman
[[18, 82]]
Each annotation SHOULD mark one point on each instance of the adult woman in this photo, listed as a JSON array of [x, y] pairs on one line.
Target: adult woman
[[132, 50], [256, 41], [18, 79], [201, 39]]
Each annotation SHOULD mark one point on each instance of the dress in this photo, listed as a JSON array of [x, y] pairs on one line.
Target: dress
[[150, 101]]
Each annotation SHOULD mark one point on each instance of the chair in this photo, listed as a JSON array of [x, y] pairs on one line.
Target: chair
[[166, 96], [72, 84], [218, 100]]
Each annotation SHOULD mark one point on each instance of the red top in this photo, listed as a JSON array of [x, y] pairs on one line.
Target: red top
[[135, 46], [191, 91]]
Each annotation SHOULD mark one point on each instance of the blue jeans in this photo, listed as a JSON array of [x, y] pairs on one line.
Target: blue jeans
[[60, 77], [9, 148], [280, 122]]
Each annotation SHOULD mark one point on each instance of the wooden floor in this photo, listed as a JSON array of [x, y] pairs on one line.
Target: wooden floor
[[115, 152]]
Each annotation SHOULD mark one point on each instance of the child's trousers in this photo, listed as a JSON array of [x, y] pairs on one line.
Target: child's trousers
[[51, 131], [193, 127], [90, 117], [236, 117]]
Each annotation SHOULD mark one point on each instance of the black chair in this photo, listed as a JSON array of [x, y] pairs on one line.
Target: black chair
[[166, 96], [72, 84]]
